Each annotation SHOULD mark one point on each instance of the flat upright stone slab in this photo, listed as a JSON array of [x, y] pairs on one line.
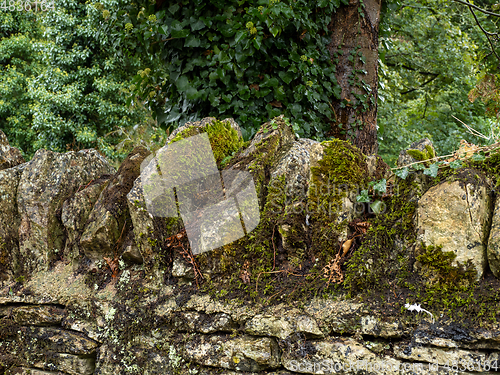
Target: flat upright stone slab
[[46, 182]]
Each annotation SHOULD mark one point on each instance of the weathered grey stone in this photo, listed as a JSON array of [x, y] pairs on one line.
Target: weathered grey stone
[[46, 182], [336, 316], [295, 168], [441, 356], [9, 156], [244, 353], [372, 326], [193, 321], [58, 340], [148, 230], [131, 252], [455, 216], [493, 250], [341, 355], [107, 223], [67, 363], [76, 211], [282, 326], [180, 268], [9, 221]]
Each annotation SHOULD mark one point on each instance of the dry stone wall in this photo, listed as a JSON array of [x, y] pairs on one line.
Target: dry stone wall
[[89, 284]]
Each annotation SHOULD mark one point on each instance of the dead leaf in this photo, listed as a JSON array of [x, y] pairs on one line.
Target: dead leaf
[[346, 246], [255, 86], [113, 266], [244, 274], [276, 103]]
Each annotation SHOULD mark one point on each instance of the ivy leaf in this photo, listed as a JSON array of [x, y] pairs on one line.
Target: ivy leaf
[[197, 25], [192, 93], [182, 83], [224, 57], [377, 206], [363, 197], [380, 187], [239, 35], [402, 173], [192, 41], [273, 82], [296, 109], [432, 170], [257, 42], [286, 77], [478, 157], [418, 166], [173, 8], [275, 30], [456, 164]]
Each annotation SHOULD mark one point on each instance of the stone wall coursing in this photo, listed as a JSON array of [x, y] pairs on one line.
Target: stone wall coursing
[[89, 284]]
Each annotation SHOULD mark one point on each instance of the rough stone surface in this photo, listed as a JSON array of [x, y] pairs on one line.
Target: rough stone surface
[[76, 211], [46, 182], [283, 326], [405, 159], [244, 353], [107, 223], [9, 222], [493, 251], [455, 216], [9, 156]]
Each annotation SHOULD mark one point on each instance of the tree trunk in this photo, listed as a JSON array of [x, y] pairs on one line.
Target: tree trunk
[[354, 50]]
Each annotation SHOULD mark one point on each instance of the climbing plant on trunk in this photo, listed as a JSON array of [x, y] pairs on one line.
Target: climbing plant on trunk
[[354, 50]]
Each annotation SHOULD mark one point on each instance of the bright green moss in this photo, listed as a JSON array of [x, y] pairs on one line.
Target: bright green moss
[[223, 139], [342, 169]]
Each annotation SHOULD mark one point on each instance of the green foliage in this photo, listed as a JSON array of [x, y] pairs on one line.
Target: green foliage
[[65, 89], [371, 195], [248, 60], [430, 55]]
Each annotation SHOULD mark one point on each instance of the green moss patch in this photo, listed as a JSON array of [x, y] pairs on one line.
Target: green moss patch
[[223, 138]]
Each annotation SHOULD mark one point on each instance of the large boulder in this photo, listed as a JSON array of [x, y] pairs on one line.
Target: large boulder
[[109, 222], [9, 156], [454, 217], [46, 182]]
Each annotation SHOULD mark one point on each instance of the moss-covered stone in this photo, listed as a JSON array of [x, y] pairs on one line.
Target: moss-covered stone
[[223, 138]]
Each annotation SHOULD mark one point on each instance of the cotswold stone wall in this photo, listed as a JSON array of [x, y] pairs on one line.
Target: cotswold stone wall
[[93, 283]]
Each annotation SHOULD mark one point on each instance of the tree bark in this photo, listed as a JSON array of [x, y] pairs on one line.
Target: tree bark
[[354, 50]]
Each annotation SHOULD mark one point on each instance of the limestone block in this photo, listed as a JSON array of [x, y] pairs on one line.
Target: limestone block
[[46, 182], [76, 210], [493, 251], [337, 355], [107, 223], [9, 221], [244, 353], [455, 216], [282, 326]]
